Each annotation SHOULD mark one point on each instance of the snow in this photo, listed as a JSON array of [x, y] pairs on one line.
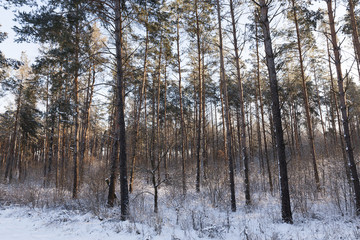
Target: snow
[[34, 213], [21, 222]]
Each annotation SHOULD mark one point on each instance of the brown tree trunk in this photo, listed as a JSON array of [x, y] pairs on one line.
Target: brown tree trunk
[[321, 116], [284, 187], [86, 119], [158, 139], [165, 132], [227, 115], [120, 137], [11, 155], [138, 112], [355, 34], [76, 117], [242, 111], [182, 122], [306, 101], [200, 91], [343, 108]]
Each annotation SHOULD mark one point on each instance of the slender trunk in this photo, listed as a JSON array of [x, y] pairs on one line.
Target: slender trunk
[[333, 96], [153, 145], [203, 108], [58, 153], [355, 34], [306, 101], [138, 112], [343, 108], [11, 157], [46, 143], [153, 151], [198, 147], [321, 116], [76, 115], [223, 119], [51, 149], [86, 119], [227, 115], [183, 163], [158, 138], [267, 158], [239, 165], [270, 60], [258, 135], [242, 111], [213, 134], [114, 160], [165, 136]]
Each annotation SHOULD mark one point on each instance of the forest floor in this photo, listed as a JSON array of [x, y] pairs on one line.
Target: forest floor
[[24, 223], [195, 217]]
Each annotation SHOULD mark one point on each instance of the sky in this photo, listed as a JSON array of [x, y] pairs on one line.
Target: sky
[[9, 47], [12, 49]]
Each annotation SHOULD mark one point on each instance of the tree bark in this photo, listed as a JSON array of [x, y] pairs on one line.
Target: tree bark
[[267, 158], [306, 101], [11, 155], [227, 115], [343, 109], [284, 185], [242, 111], [355, 34], [76, 117], [182, 122], [198, 146], [138, 112], [120, 134]]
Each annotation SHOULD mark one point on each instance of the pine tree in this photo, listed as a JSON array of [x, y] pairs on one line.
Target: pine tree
[[343, 108], [263, 7]]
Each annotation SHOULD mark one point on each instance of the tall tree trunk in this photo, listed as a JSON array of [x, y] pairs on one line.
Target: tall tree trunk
[[306, 101], [223, 119], [182, 122], [158, 139], [267, 158], [154, 149], [58, 154], [343, 108], [165, 133], [258, 135], [46, 132], [50, 156], [138, 112], [227, 115], [335, 102], [198, 146], [76, 117], [86, 118], [355, 34], [242, 111], [270, 60], [11, 156], [320, 112], [120, 137]]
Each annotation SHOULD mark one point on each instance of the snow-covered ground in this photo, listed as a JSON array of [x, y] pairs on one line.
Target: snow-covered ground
[[21, 223], [25, 223], [31, 212]]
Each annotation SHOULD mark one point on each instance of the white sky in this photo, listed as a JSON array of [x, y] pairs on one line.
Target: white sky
[[9, 47], [12, 49]]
